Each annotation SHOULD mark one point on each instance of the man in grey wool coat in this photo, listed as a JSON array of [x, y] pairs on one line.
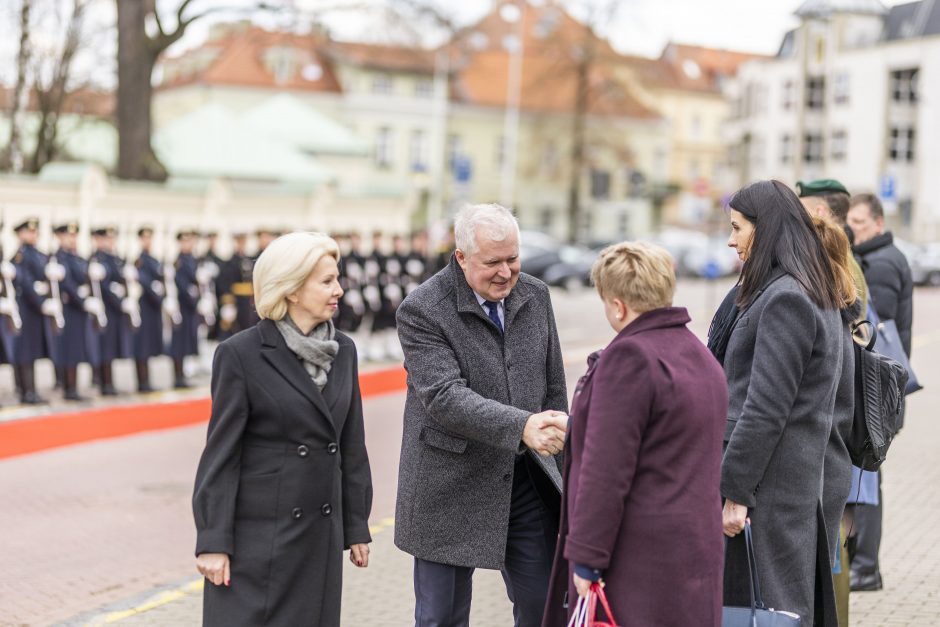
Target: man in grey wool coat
[[485, 422]]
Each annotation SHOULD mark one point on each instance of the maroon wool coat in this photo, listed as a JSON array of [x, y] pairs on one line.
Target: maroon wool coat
[[642, 468]]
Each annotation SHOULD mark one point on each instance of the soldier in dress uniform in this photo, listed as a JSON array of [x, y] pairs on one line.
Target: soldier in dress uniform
[[416, 263], [238, 304], [148, 339], [213, 265], [116, 340], [39, 308], [186, 334], [351, 306], [380, 292], [265, 236], [10, 322], [83, 312]]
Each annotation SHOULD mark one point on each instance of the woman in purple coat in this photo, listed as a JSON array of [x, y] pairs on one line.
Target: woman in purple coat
[[641, 506]]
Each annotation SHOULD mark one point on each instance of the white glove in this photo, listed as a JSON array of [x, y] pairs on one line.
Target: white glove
[[203, 275], [158, 288], [8, 270], [372, 296], [93, 306], [41, 288], [129, 306], [96, 271], [6, 306], [83, 291], [171, 307], [118, 290], [51, 308], [228, 313], [130, 273], [206, 307], [55, 271]]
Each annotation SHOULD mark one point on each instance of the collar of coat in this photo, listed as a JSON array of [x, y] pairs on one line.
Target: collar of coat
[[275, 350], [467, 300], [657, 319], [878, 241]]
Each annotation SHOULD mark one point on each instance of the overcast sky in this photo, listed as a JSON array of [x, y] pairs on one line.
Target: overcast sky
[[640, 26]]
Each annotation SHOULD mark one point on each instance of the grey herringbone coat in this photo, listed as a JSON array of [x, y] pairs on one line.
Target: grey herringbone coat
[[470, 392]]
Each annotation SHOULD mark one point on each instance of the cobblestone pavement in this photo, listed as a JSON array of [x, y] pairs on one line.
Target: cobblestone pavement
[[101, 533]]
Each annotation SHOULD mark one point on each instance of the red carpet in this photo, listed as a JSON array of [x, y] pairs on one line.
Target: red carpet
[[29, 435]]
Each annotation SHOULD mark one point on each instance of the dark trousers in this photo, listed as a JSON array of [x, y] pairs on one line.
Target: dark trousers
[[868, 535], [443, 592]]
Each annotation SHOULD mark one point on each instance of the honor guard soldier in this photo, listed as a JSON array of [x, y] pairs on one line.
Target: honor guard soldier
[[351, 306], [148, 340], [83, 312], [186, 334], [106, 271], [214, 265], [238, 304], [416, 264], [39, 308], [376, 294], [10, 322]]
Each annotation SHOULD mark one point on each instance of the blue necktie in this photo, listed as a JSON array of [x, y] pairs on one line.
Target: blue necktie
[[492, 309]]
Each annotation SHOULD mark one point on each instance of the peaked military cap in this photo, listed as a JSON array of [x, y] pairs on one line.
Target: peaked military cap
[[108, 231], [144, 230], [820, 187], [67, 227], [29, 223], [186, 233]]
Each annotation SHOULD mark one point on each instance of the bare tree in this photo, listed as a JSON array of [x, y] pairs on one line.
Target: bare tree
[[13, 158], [138, 51], [51, 96]]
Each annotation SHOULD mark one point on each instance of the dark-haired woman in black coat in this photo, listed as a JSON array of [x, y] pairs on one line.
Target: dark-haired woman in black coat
[[284, 485]]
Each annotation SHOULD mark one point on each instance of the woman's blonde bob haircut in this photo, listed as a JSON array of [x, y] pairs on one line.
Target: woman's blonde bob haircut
[[284, 266], [640, 274]]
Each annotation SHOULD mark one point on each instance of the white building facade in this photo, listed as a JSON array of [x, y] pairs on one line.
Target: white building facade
[[853, 94]]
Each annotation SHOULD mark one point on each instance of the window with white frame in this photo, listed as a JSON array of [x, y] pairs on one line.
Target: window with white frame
[[813, 148], [786, 148], [600, 184], [901, 144], [382, 84], [904, 85], [839, 145], [840, 88], [424, 88], [815, 92], [789, 95], [418, 150], [383, 147]]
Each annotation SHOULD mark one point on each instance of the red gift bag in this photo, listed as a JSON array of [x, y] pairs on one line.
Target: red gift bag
[[585, 612]]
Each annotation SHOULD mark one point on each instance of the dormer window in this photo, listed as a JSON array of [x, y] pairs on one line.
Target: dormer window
[[382, 84]]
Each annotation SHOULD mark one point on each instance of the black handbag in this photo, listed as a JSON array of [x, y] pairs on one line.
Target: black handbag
[[889, 345], [758, 615]]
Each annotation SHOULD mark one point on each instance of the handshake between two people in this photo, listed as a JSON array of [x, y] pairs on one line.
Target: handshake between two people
[[544, 432]]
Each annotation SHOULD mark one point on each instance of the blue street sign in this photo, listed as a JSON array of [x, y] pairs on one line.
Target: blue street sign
[[463, 169], [887, 191]]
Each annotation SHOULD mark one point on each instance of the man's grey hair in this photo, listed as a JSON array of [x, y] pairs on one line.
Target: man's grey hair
[[492, 221]]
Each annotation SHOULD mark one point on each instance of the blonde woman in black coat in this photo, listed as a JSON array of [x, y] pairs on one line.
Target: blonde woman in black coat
[[284, 485]]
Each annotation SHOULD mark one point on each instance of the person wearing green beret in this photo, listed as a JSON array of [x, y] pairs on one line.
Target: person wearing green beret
[[829, 199]]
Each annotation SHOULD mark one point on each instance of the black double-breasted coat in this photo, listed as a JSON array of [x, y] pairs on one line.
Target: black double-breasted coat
[[283, 485]]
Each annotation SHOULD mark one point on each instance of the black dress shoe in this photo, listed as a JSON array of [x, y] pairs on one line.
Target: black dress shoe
[[73, 395], [865, 582], [31, 398], [145, 388], [182, 384], [109, 390]]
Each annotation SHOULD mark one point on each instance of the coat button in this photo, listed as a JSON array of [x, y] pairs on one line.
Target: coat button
[[297, 513], [331, 448], [302, 450], [507, 477], [326, 510]]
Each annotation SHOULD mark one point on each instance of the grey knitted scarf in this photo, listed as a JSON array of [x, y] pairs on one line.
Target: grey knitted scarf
[[316, 350]]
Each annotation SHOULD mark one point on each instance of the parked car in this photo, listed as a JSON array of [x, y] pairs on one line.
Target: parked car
[[924, 261], [698, 255], [557, 264]]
